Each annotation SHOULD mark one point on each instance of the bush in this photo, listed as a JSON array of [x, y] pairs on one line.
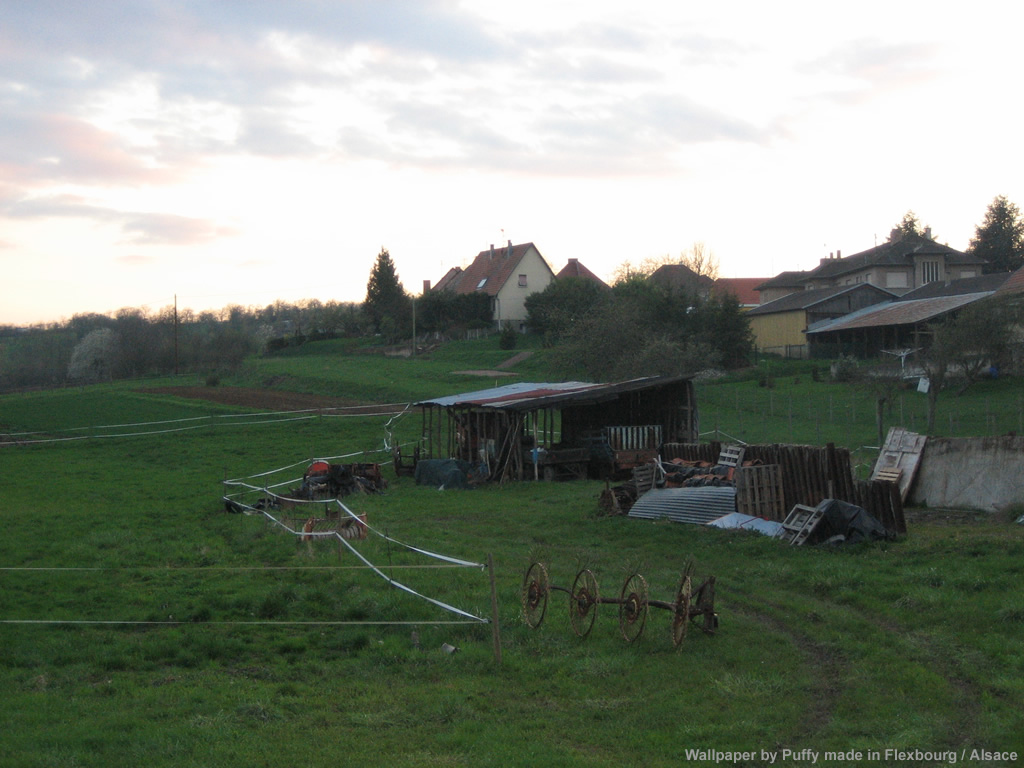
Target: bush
[[844, 369], [508, 339]]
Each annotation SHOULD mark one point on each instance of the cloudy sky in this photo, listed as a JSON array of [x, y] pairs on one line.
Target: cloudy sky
[[243, 152]]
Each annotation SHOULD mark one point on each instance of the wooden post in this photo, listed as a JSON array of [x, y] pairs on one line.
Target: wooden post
[[495, 624]]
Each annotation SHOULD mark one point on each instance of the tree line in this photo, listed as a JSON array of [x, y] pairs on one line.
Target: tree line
[[135, 342]]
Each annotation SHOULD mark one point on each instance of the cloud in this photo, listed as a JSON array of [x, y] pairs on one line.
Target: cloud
[[168, 229], [135, 260], [38, 148], [140, 228], [867, 68]]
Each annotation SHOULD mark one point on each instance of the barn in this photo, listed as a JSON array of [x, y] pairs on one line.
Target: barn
[[564, 429]]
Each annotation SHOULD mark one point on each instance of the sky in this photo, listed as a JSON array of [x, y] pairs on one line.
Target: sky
[[241, 153]]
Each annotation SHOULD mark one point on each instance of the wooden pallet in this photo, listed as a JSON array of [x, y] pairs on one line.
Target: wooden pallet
[[759, 491], [800, 524]]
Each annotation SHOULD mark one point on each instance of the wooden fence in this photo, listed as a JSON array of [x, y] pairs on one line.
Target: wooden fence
[[809, 475]]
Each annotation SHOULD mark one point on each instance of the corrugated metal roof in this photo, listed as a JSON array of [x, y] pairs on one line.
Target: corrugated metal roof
[[527, 395], [897, 313], [497, 396], [686, 505]]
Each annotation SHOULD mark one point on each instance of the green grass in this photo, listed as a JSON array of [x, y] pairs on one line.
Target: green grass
[[327, 368], [911, 644], [797, 409]]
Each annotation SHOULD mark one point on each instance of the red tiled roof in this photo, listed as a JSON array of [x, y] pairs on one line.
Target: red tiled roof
[[451, 277], [1014, 283], [575, 269], [489, 271], [743, 288]]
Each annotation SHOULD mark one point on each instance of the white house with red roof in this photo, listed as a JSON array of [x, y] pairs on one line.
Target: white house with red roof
[[508, 275]]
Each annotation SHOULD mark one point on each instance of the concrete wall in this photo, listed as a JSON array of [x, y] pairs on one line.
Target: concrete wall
[[985, 473]]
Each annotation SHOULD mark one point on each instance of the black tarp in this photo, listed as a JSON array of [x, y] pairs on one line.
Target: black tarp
[[448, 473], [853, 523]]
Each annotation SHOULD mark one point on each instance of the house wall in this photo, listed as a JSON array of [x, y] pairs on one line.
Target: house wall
[[902, 279], [510, 303], [779, 329], [771, 294]]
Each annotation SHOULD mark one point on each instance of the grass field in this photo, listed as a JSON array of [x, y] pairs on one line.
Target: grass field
[[907, 645]]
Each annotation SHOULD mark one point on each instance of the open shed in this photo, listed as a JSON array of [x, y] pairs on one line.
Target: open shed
[[538, 430]]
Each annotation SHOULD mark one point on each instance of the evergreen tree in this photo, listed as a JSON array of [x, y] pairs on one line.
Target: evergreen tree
[[1000, 237], [908, 225], [385, 297]]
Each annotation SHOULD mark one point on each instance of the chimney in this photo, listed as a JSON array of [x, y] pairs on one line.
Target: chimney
[[426, 286], [839, 254], [492, 250], [928, 232], [509, 253]]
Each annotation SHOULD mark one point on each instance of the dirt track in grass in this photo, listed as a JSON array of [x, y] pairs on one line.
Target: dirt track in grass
[[263, 399]]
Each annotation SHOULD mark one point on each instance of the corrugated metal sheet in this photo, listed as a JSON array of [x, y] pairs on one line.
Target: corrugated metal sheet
[[686, 505], [527, 396], [897, 313], [508, 393]]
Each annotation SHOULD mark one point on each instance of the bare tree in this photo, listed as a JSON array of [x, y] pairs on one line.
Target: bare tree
[[701, 259]]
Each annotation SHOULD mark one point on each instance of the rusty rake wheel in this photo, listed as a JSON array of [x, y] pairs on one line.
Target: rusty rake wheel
[[706, 605], [633, 607], [681, 612], [536, 587], [583, 602]]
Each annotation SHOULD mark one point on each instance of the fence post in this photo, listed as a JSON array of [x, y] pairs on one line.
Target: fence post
[[495, 624]]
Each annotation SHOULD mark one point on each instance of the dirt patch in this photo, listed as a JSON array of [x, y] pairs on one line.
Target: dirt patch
[[517, 358], [261, 399]]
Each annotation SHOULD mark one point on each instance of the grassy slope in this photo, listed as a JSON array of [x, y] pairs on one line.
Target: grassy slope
[[910, 644]]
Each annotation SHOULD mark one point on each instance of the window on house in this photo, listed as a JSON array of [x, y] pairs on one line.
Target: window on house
[[480, 285], [929, 271], [522, 281]]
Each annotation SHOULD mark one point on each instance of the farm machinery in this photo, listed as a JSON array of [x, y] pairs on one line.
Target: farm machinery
[[633, 603]]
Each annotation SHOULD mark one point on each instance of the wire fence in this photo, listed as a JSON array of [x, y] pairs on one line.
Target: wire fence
[[393, 411], [258, 495]]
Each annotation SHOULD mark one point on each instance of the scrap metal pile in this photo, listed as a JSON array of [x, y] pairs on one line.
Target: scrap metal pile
[[677, 473], [334, 481], [688, 604]]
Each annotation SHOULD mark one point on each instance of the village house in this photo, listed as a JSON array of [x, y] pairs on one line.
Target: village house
[[899, 265], [743, 289], [779, 326], [508, 275], [791, 302], [574, 268], [907, 321]]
